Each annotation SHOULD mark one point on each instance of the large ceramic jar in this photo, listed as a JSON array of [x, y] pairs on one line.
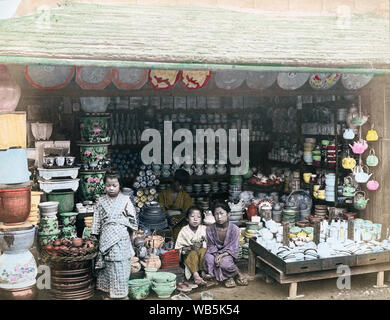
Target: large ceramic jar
[[65, 200], [15, 205], [91, 185], [93, 152], [18, 268], [9, 91], [14, 166], [94, 129]]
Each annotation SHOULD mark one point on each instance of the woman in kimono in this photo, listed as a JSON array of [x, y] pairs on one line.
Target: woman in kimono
[[222, 240], [192, 245], [113, 221], [175, 198]]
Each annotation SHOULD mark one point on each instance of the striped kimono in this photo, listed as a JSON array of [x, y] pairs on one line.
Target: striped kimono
[[113, 217]]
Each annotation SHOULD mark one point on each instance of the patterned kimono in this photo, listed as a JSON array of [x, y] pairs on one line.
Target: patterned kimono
[[194, 260], [183, 202], [227, 266], [111, 220]]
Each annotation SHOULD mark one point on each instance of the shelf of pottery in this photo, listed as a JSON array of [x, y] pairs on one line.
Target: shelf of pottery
[[17, 204]]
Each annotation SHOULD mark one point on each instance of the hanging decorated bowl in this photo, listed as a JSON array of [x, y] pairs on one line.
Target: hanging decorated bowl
[[163, 79], [94, 129], [260, 80], [93, 152], [129, 78], [91, 185], [324, 80], [292, 80], [229, 79], [195, 79], [93, 78], [49, 77], [9, 91], [355, 81]]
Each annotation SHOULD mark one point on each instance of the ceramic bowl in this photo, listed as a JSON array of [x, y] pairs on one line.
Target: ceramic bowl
[[163, 277], [164, 292], [139, 288]]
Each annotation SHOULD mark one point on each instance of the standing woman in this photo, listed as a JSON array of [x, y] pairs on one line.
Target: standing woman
[[222, 240], [175, 198], [114, 221]]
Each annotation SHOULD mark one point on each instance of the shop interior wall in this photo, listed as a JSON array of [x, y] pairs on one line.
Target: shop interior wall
[[56, 107]]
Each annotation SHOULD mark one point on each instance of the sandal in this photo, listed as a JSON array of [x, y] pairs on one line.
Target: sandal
[[190, 285], [230, 283], [242, 281], [207, 276], [183, 288]]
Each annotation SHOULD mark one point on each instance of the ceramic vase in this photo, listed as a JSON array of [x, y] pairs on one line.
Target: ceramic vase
[[15, 205], [94, 129]]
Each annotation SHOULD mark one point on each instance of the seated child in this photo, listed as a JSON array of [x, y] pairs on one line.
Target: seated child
[[191, 242]]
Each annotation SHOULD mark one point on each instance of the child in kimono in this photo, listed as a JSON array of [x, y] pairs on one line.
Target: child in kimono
[[222, 240], [192, 244], [113, 221]]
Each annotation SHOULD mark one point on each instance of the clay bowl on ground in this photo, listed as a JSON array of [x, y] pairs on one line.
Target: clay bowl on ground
[[72, 286]]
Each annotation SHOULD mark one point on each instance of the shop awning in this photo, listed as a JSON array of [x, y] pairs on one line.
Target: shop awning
[[134, 35]]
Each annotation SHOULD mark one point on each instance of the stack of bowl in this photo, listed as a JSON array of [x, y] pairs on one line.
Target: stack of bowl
[[197, 187], [170, 259], [235, 192], [203, 204], [251, 229], [316, 157], [331, 155], [48, 226], [308, 148], [214, 186], [139, 288], [163, 283], [152, 216], [68, 220], [236, 216], [277, 212], [33, 218], [320, 211], [88, 225], [305, 211], [330, 182], [206, 187], [188, 188], [289, 215]]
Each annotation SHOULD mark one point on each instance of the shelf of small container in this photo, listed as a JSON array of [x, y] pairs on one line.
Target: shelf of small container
[[255, 188], [284, 163], [195, 178]]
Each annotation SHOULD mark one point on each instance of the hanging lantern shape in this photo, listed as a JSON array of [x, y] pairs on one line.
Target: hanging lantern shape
[[9, 91], [163, 79], [129, 78], [49, 77], [93, 78], [195, 79]]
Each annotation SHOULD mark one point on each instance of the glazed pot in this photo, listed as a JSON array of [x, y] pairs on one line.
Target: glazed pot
[[91, 185], [93, 152], [13, 166], [139, 288], [65, 200], [94, 129], [9, 91], [164, 291], [48, 208], [15, 205], [68, 218], [16, 241], [69, 232], [46, 239], [251, 211], [48, 225]]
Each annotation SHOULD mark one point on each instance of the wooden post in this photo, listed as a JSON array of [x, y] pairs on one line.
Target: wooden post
[[351, 229], [286, 231], [293, 291], [380, 280], [331, 214], [317, 232], [251, 263]]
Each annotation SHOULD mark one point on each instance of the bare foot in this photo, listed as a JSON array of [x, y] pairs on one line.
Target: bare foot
[[198, 280]]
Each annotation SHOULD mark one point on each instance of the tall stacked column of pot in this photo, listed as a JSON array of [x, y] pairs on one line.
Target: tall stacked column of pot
[[18, 268], [95, 139]]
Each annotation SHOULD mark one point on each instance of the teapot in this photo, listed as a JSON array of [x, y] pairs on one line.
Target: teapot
[[359, 174], [251, 211], [348, 188], [360, 201], [372, 135], [372, 185], [348, 162], [348, 134], [372, 160], [359, 147]]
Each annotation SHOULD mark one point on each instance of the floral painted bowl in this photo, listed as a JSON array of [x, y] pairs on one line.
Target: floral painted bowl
[[68, 218], [94, 129]]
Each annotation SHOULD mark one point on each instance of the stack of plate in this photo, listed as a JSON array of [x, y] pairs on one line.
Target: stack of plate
[[320, 211], [245, 250], [197, 187], [214, 186], [203, 204], [206, 187], [289, 216], [235, 216], [152, 216], [170, 259], [33, 218], [188, 188], [224, 186]]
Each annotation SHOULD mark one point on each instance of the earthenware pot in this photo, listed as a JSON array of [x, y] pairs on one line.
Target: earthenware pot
[[65, 200], [139, 288], [90, 152], [15, 205], [48, 208]]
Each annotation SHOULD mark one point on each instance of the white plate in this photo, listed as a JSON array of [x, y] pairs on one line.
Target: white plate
[[292, 80], [229, 79], [260, 79], [355, 81]]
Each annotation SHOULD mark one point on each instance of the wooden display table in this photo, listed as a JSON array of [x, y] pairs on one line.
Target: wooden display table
[[309, 270]]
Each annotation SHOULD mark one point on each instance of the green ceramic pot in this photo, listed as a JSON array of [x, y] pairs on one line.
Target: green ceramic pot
[[69, 232], [48, 225], [139, 288], [164, 291], [236, 180], [68, 218], [91, 185], [93, 152], [163, 277], [45, 239], [94, 129], [64, 198]]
